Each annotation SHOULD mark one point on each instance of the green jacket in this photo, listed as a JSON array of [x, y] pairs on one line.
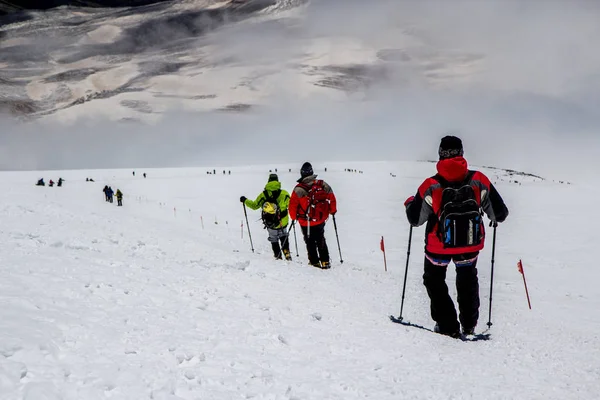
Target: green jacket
[[283, 200]]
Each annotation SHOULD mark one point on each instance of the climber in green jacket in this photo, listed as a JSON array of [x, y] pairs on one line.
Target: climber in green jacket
[[274, 203]]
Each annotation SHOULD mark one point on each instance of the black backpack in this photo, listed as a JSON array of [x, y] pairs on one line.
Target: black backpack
[[271, 214], [460, 219]]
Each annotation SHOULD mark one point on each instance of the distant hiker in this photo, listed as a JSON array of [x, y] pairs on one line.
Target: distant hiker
[[87, 179], [105, 190], [214, 171], [144, 175], [274, 203], [60, 181], [91, 180], [110, 194], [451, 202], [133, 173], [40, 182], [51, 183], [119, 198], [311, 204], [229, 172]]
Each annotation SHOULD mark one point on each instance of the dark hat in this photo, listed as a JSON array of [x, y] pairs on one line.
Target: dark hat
[[306, 170], [450, 147], [273, 177]]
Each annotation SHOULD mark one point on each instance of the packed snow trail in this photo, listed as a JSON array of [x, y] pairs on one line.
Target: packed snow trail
[[133, 302]]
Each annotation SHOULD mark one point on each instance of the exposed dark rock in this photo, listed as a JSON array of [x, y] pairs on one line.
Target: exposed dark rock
[[18, 107], [19, 5], [238, 107], [71, 76], [137, 105]]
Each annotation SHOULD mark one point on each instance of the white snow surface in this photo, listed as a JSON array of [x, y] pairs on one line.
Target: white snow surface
[[163, 299]]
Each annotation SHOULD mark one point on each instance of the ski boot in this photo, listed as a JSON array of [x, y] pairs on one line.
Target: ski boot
[[325, 265], [468, 331], [453, 334], [287, 255]]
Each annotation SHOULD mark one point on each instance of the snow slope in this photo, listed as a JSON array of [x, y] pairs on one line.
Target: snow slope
[[163, 299]]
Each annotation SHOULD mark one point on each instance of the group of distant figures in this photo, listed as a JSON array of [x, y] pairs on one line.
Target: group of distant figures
[[41, 182], [144, 174], [109, 194], [228, 172]]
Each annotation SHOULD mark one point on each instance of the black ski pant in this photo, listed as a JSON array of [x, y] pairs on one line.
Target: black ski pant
[[119, 202], [316, 245], [467, 288]]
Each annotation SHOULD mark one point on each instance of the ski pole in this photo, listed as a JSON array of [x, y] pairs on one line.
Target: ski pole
[[489, 324], [338, 239], [406, 271], [295, 239], [248, 226]]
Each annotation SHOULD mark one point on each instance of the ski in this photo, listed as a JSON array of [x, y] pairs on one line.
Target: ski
[[465, 338]]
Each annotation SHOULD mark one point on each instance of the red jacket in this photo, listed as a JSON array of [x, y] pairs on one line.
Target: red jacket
[[299, 202], [425, 206]]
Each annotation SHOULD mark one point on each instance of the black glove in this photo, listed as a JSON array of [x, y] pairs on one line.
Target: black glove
[[243, 199], [493, 224]]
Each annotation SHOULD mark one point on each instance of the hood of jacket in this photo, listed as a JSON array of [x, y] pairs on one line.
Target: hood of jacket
[[453, 169], [272, 186], [307, 180]]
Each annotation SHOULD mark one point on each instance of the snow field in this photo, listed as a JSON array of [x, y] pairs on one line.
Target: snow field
[[141, 302]]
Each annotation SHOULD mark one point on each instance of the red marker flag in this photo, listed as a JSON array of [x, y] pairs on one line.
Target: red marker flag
[[520, 268], [382, 245]]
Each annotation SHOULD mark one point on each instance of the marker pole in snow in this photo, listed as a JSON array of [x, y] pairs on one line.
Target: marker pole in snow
[[382, 246], [248, 226], [338, 239], [520, 268], [405, 272], [495, 225], [295, 239]]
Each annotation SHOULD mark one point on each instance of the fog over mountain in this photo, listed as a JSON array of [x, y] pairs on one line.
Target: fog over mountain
[[229, 82]]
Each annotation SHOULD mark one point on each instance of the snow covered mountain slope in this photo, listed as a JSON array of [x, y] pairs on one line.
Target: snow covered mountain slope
[[139, 63], [163, 299], [128, 63]]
